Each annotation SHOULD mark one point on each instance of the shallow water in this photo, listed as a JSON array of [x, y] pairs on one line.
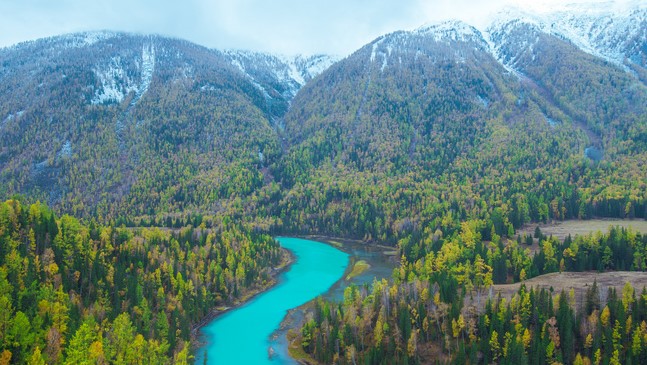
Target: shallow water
[[242, 335], [381, 267]]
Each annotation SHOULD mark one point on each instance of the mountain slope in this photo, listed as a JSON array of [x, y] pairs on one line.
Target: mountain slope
[[594, 93], [394, 93], [421, 130], [113, 120], [279, 77]]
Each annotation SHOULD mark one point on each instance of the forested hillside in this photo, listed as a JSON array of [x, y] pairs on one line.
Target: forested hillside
[[438, 307], [101, 124], [71, 293], [417, 132]]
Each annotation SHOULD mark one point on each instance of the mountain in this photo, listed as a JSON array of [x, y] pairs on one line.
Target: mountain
[[117, 124], [448, 122], [106, 122], [611, 31], [393, 90], [558, 67]]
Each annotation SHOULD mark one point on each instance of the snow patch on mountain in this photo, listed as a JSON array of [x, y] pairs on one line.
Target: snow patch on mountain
[[291, 72], [302, 69], [238, 65], [374, 49], [66, 149], [90, 38], [313, 66], [285, 73], [116, 83], [13, 116], [84, 39], [147, 69], [383, 49]]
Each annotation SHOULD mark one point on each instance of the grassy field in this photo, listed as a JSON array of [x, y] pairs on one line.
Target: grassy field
[[583, 227], [561, 229], [578, 281]]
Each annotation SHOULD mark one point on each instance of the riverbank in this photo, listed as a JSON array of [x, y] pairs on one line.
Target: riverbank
[[293, 320], [373, 262], [287, 260], [251, 326], [342, 242]]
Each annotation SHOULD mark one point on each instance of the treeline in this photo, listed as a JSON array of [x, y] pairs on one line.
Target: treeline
[[436, 310], [517, 174], [375, 207], [72, 293]]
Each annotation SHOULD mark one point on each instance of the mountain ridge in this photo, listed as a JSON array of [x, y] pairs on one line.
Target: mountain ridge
[[385, 109]]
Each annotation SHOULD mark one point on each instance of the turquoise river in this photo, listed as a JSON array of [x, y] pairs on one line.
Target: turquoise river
[[242, 335]]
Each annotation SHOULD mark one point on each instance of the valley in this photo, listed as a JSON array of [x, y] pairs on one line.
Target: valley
[[145, 179]]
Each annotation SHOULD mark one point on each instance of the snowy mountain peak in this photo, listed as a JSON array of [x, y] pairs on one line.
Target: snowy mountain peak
[[65, 41], [453, 30], [90, 38], [610, 30]]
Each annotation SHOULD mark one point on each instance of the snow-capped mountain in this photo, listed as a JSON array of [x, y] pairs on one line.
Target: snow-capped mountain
[[447, 40], [615, 33], [129, 107], [119, 105], [397, 98], [451, 30]]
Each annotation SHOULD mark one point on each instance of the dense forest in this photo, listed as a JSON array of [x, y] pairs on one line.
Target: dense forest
[[72, 293], [437, 309]]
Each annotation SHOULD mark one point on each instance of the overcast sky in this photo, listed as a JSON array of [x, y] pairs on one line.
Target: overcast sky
[[280, 26]]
